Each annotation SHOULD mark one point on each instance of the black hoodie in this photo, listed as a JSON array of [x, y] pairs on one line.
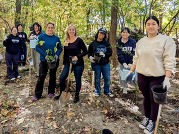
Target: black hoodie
[[13, 44]]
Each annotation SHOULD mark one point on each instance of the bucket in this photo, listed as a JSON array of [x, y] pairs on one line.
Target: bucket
[[52, 64], [159, 94]]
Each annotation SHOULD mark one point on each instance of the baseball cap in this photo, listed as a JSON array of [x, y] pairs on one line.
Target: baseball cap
[[102, 30]]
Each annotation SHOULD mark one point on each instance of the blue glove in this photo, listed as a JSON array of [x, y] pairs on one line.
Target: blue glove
[[129, 77]]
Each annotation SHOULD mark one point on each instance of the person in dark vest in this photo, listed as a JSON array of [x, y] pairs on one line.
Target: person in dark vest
[[13, 45], [99, 52]]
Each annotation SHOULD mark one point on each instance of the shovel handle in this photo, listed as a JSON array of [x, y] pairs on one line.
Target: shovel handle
[[68, 80], [158, 116]]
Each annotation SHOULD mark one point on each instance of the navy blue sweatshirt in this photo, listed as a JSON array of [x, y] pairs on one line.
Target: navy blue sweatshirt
[[23, 37], [77, 48], [13, 44], [104, 46], [46, 42], [126, 51]]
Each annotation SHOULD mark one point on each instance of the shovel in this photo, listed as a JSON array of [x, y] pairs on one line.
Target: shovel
[[65, 95], [92, 87]]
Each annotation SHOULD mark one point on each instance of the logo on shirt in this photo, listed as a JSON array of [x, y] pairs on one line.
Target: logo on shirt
[[15, 41]]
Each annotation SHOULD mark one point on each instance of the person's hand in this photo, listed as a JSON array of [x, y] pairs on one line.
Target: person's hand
[[102, 54], [5, 37], [74, 59], [56, 58], [129, 76], [166, 83], [125, 66], [46, 57], [92, 59], [31, 37]]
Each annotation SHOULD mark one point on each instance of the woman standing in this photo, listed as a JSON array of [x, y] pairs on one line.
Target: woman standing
[[37, 30], [23, 54], [99, 52], [154, 61], [13, 44], [47, 42], [125, 49], [74, 51]]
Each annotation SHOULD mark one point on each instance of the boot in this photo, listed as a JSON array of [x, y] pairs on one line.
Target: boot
[[76, 99]]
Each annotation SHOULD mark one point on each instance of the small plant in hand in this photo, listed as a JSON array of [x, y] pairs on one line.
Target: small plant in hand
[[50, 57]]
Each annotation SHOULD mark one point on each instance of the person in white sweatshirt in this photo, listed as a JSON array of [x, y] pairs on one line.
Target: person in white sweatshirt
[[154, 60]]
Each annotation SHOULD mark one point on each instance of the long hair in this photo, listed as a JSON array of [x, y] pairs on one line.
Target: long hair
[[96, 36], [67, 38], [39, 26]]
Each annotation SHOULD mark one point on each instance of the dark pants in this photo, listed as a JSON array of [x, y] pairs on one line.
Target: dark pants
[[78, 71], [24, 52], [145, 83], [43, 69], [12, 65]]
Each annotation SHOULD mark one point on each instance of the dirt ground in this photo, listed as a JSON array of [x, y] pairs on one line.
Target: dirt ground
[[121, 114]]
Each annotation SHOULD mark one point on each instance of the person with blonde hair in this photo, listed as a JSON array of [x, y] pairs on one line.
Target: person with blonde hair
[[74, 51]]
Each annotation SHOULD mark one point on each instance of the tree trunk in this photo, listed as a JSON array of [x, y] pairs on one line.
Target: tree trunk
[[18, 12], [112, 34]]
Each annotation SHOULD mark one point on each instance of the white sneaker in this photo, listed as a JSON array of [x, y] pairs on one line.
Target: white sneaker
[[18, 77], [96, 94], [150, 127], [13, 78], [144, 123], [110, 95]]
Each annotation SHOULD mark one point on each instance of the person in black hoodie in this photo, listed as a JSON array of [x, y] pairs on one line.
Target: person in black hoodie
[[13, 44], [99, 52], [23, 54]]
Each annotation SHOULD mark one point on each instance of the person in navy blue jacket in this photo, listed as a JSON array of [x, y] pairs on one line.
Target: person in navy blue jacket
[[23, 54], [46, 42], [13, 44], [125, 49]]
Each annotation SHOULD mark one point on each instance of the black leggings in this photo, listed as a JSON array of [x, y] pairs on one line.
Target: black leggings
[[145, 83]]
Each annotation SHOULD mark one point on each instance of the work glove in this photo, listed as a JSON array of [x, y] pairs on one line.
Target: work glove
[[56, 58], [102, 54], [129, 77], [92, 59], [129, 65], [46, 57], [166, 83], [125, 66]]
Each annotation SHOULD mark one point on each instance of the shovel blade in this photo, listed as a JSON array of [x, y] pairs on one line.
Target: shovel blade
[[64, 97]]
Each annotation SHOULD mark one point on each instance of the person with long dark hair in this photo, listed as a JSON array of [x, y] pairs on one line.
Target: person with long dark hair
[[154, 61], [99, 52], [37, 30]]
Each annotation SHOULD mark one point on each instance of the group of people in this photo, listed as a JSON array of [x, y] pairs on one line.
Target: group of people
[[152, 57]]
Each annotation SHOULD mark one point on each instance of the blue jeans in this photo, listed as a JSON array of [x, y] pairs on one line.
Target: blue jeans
[[78, 71], [105, 71]]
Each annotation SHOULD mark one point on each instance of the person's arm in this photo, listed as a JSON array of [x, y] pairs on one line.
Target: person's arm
[[6, 41], [108, 53], [90, 50], [84, 49], [120, 53], [39, 48], [59, 48]]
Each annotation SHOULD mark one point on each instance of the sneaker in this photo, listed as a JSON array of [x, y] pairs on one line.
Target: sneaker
[[50, 95], [34, 98], [144, 123], [150, 127], [96, 94], [18, 77], [12, 79], [110, 95]]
